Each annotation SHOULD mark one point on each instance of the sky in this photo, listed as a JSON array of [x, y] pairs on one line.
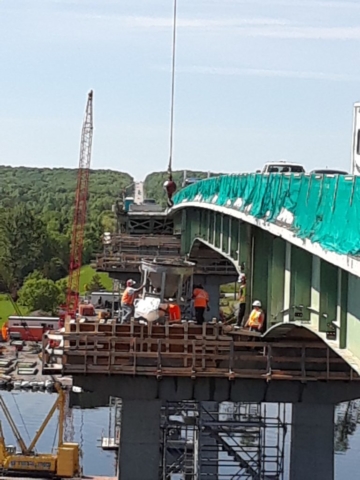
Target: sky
[[256, 81]]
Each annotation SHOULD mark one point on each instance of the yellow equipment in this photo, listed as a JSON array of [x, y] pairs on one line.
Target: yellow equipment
[[64, 463]]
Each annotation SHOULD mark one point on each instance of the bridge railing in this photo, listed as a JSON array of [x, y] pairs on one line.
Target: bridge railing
[[322, 208]]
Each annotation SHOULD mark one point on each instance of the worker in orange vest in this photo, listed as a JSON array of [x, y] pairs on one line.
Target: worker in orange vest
[[256, 319], [127, 300], [201, 302]]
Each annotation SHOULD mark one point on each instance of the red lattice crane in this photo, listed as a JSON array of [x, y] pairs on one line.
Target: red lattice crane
[[78, 228]]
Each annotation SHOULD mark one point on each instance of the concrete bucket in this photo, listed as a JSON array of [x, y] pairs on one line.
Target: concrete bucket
[[166, 275]]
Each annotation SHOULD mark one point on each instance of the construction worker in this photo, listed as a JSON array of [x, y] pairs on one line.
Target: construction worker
[[242, 301], [127, 300], [201, 302], [170, 188], [256, 319]]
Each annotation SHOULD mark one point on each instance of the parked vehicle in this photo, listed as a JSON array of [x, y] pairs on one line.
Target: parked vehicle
[[329, 171], [281, 166], [190, 181]]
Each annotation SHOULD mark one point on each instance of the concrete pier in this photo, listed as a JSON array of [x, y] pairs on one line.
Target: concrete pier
[[139, 455], [312, 442]]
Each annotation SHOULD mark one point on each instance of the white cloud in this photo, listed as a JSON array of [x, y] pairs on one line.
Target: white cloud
[[306, 33], [267, 73], [196, 23], [290, 3], [244, 27]]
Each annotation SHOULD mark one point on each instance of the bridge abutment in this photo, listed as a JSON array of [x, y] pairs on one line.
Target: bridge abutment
[[312, 442]]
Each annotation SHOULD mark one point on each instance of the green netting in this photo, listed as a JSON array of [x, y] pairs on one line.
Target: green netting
[[325, 209]]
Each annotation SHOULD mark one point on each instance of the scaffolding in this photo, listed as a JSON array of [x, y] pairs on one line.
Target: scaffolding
[[227, 441], [179, 441]]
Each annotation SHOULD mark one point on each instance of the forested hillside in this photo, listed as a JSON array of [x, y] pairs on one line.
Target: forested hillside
[[36, 212], [154, 183]]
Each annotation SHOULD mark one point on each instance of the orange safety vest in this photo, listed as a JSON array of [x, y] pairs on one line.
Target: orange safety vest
[[201, 298], [4, 332], [256, 318], [127, 298], [174, 312]]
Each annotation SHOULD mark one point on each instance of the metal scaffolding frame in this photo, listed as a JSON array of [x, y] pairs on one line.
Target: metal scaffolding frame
[[228, 441]]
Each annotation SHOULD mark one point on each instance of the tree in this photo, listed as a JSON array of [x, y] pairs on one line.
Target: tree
[[62, 286], [95, 284], [24, 244], [40, 294], [35, 275]]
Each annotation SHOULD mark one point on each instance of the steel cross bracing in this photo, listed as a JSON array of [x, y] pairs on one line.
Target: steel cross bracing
[[77, 238], [237, 441]]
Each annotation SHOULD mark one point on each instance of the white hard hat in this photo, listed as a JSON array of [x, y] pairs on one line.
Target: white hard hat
[[242, 278], [256, 303], [130, 283]]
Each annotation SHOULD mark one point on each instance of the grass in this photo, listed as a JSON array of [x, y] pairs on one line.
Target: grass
[[86, 274], [229, 287], [7, 309]]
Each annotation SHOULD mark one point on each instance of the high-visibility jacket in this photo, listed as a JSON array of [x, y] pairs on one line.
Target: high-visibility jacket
[[128, 296], [242, 294], [201, 298], [174, 313], [256, 318]]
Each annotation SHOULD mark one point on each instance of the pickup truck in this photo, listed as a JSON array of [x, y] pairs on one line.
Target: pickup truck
[[281, 167]]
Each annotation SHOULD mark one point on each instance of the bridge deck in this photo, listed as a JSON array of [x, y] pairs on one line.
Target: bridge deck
[[187, 350]]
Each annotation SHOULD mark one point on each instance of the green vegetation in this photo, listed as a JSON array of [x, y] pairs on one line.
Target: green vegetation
[[87, 275], [36, 214], [154, 183], [41, 294], [31, 295], [7, 309]]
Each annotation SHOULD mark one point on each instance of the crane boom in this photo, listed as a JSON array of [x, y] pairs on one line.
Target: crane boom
[[59, 403], [77, 238], [13, 426]]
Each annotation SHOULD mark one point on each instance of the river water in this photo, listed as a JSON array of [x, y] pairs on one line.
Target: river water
[[86, 427]]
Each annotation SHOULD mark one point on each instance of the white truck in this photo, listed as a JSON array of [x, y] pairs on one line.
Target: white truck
[[281, 166]]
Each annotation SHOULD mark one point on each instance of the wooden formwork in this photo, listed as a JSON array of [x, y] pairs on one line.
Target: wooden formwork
[[187, 350]]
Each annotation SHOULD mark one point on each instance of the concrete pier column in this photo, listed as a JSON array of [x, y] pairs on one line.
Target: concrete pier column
[[312, 442], [139, 453]]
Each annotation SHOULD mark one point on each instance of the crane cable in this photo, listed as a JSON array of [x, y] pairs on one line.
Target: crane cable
[[21, 417], [172, 108], [170, 185]]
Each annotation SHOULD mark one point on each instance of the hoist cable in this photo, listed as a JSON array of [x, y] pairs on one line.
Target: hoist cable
[[172, 88], [21, 417]]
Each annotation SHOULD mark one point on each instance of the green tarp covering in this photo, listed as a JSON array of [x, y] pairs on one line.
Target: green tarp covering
[[326, 209]]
